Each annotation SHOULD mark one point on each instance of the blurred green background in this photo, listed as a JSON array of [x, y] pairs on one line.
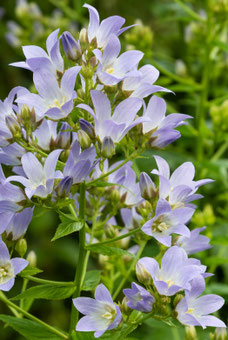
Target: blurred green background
[[188, 42]]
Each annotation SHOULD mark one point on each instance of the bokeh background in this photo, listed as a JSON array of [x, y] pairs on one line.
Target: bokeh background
[[188, 42]]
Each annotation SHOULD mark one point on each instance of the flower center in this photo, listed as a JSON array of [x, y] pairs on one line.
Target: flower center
[[58, 103], [160, 226], [6, 272], [110, 313], [170, 283], [110, 70], [190, 310]]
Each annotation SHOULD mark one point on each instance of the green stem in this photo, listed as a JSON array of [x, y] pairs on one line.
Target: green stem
[[220, 151], [44, 281], [81, 258], [24, 286], [116, 238], [133, 155], [188, 10], [31, 317], [122, 283]]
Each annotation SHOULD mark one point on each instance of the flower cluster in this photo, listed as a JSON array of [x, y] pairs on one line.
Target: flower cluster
[[88, 107]]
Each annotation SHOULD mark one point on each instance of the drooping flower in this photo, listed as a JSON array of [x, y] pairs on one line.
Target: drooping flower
[[101, 314], [101, 32], [194, 309], [9, 268], [160, 127], [179, 188], [167, 221], [117, 125], [139, 298], [112, 69], [37, 58], [79, 164], [39, 179], [195, 242], [175, 273], [53, 101]]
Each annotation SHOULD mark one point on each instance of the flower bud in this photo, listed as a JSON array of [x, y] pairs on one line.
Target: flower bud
[[93, 61], [84, 139], [190, 333], [13, 126], [144, 209], [21, 247], [177, 299], [87, 127], [63, 138], [220, 334], [71, 47], [64, 186], [147, 187], [32, 259], [87, 71], [108, 147], [115, 195], [124, 307], [25, 114], [142, 274], [83, 36]]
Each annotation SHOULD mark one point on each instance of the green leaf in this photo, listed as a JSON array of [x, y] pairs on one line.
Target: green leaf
[[46, 291], [66, 228], [29, 329], [83, 335], [109, 251], [101, 184], [92, 278], [31, 271], [217, 288]]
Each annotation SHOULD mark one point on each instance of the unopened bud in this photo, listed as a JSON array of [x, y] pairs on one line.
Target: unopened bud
[[115, 195], [108, 147], [190, 333], [124, 307], [145, 208], [87, 127], [84, 139], [220, 333], [21, 247], [64, 186], [110, 89], [142, 274], [147, 187], [87, 71], [32, 259], [93, 61], [25, 114], [71, 47], [83, 36], [63, 139], [110, 231], [13, 126], [177, 299]]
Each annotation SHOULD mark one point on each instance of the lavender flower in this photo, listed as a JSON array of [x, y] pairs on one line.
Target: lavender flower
[[114, 125], [40, 179], [147, 186], [101, 313], [112, 69], [140, 83], [175, 273], [161, 128], [79, 165], [195, 242], [37, 58], [101, 32], [11, 154], [71, 46], [179, 188], [139, 298], [9, 268], [167, 221], [194, 309], [53, 101]]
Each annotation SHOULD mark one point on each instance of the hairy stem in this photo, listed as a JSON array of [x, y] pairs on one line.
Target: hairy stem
[[82, 256], [31, 317]]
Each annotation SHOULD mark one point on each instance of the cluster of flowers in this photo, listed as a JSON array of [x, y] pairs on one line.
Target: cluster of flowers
[[65, 133]]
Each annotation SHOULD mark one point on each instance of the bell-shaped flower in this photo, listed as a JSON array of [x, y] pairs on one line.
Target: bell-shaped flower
[[53, 101], [101, 32], [112, 69], [140, 84], [195, 242], [11, 154], [147, 186], [79, 164], [39, 180], [175, 273], [114, 125], [167, 221], [161, 127], [9, 268], [179, 188], [139, 298], [71, 46], [8, 115], [37, 57], [101, 313], [195, 310]]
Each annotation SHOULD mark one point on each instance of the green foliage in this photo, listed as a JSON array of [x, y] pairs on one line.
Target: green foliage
[[67, 227], [109, 251], [46, 291], [92, 279]]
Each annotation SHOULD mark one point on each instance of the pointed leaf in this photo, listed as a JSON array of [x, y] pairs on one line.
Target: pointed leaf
[[46, 291]]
